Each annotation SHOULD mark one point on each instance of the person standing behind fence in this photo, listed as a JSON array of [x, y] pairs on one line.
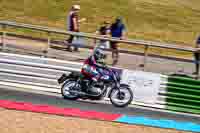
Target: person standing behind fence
[[197, 57], [73, 25], [117, 30], [104, 30]]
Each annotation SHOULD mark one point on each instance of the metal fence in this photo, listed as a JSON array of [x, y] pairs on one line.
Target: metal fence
[[146, 44]]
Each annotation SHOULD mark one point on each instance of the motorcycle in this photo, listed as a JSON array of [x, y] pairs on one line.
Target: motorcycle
[[77, 86]]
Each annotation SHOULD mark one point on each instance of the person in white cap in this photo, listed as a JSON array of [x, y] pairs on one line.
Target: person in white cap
[[73, 24]]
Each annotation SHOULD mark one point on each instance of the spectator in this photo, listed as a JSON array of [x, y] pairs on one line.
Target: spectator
[[197, 56], [73, 25], [117, 29], [104, 30]]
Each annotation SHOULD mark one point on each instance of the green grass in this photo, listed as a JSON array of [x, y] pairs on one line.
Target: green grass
[[176, 21]]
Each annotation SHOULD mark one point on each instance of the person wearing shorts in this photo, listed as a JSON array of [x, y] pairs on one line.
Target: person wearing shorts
[[73, 25], [117, 30]]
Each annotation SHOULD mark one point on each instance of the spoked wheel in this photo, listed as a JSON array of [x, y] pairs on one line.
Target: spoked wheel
[[121, 97], [67, 86]]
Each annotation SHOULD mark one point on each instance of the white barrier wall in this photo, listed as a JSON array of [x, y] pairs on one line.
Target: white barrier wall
[[145, 85]]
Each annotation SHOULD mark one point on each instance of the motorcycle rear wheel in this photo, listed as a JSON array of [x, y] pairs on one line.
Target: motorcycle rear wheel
[[65, 90]]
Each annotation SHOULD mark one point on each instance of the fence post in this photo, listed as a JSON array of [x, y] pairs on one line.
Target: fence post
[[3, 37], [48, 43], [145, 56]]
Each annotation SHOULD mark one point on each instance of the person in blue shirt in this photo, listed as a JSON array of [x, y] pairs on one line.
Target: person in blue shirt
[[117, 30], [197, 56]]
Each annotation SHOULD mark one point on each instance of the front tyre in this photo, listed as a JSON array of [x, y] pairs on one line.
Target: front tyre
[[121, 97], [69, 84]]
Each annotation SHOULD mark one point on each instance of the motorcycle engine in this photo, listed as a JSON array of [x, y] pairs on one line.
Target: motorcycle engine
[[96, 90], [97, 87]]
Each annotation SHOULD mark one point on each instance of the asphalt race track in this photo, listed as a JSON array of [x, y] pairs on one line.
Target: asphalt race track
[[54, 99]]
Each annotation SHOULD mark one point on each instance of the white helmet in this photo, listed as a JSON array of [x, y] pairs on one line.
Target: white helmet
[[76, 7]]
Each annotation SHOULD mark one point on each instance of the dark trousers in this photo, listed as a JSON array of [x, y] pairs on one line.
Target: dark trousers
[[197, 62], [70, 39], [115, 52]]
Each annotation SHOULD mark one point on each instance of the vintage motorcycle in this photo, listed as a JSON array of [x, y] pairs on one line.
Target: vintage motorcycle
[[76, 86]]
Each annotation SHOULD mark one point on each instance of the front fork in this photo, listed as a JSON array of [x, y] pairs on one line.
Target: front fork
[[120, 93], [116, 85]]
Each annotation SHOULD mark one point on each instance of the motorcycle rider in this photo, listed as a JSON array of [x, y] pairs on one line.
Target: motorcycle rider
[[93, 65]]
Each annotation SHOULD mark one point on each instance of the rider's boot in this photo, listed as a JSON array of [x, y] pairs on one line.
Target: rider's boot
[[84, 86]]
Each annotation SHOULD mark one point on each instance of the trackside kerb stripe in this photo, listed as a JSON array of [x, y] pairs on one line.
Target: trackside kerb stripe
[[163, 123], [58, 111]]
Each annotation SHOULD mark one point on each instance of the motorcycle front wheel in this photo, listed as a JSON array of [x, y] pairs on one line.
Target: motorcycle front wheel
[[69, 84], [121, 97]]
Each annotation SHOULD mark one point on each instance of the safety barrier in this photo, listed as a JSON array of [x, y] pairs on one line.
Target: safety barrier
[[150, 89], [146, 44]]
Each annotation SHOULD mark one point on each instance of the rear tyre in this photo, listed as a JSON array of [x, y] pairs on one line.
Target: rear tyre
[[69, 84]]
